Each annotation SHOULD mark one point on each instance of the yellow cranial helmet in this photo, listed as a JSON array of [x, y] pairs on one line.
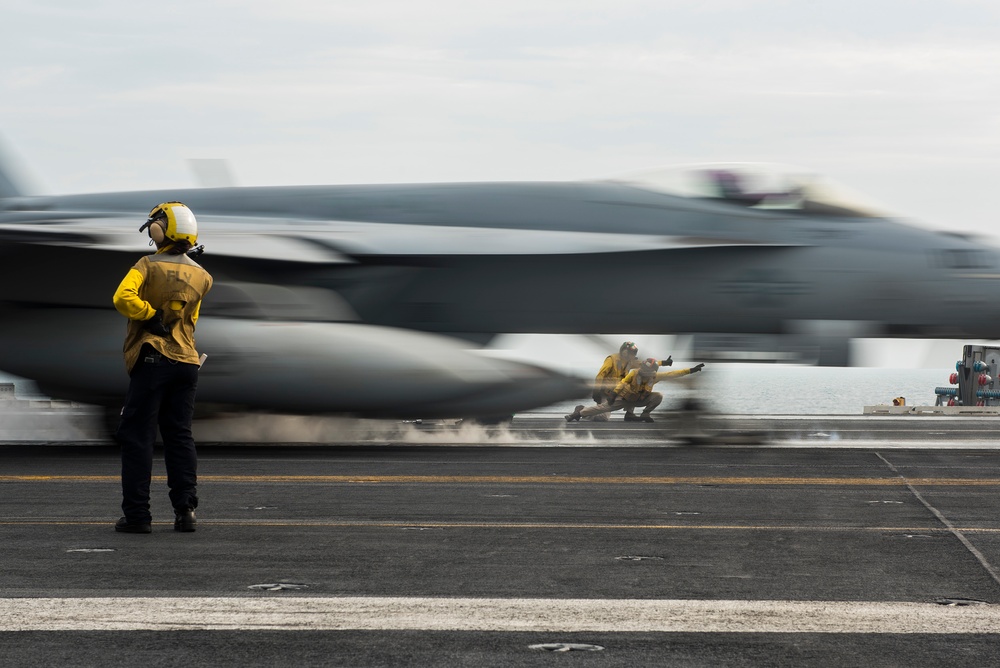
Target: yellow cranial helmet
[[173, 221]]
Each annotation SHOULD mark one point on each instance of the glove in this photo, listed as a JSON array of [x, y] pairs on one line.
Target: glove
[[155, 325], [667, 362], [598, 397], [697, 367]]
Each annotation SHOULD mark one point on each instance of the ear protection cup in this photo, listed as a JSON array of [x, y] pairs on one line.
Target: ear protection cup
[[157, 232]]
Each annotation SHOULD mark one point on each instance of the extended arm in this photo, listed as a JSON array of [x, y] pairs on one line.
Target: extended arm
[[664, 375]]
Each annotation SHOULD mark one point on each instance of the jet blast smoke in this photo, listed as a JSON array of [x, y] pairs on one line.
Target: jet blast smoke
[[344, 430], [41, 424]]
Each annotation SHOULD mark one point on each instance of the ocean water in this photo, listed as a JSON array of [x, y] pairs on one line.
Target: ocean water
[[766, 389]]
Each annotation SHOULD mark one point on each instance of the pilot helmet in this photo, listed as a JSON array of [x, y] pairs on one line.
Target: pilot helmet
[[648, 367], [628, 347], [172, 221]]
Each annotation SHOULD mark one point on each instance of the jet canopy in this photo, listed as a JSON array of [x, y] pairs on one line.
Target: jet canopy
[[758, 186]]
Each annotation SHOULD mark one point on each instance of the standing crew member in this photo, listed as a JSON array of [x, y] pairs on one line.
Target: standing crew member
[[634, 390], [161, 297]]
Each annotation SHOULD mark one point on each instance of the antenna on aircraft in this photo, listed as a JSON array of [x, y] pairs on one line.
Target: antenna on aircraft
[[212, 172]]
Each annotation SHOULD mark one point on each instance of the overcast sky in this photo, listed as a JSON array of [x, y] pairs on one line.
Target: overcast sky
[[899, 99]]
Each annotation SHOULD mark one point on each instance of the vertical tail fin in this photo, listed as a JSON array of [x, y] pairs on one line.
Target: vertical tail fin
[[9, 185]]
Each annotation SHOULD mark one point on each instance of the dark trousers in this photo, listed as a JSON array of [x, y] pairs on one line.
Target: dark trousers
[[160, 393]]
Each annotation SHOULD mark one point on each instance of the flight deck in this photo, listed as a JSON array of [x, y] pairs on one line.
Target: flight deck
[[830, 541]]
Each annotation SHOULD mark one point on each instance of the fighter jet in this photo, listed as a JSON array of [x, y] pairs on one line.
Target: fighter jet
[[351, 298]]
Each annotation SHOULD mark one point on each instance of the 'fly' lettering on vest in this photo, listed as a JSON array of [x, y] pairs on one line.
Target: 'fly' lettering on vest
[[176, 275]]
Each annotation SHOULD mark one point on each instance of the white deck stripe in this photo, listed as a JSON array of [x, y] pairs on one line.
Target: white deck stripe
[[295, 613]]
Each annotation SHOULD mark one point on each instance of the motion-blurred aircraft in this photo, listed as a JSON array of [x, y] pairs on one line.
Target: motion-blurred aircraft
[[346, 298]]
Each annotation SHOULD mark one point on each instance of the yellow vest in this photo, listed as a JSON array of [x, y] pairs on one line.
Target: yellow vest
[[174, 284], [612, 371]]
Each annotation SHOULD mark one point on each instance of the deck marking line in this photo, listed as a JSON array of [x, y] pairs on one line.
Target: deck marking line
[[554, 479], [402, 524], [980, 557], [297, 612]]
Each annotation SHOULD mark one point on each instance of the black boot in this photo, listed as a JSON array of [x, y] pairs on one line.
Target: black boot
[[124, 526], [575, 415], [184, 519]]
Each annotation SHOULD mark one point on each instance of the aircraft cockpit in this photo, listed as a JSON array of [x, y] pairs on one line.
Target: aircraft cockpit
[[760, 186]]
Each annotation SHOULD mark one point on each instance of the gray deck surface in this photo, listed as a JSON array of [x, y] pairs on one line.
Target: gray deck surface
[[887, 517]]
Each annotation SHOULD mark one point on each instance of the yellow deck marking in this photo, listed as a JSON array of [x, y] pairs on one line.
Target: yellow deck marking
[[540, 480]]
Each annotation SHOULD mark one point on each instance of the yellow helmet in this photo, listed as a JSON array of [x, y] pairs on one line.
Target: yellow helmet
[[173, 221]]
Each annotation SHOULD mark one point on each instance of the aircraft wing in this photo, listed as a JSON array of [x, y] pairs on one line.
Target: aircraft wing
[[337, 242], [275, 240]]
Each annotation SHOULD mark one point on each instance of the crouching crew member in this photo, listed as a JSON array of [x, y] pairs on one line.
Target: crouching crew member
[[161, 297], [611, 373], [634, 390]]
